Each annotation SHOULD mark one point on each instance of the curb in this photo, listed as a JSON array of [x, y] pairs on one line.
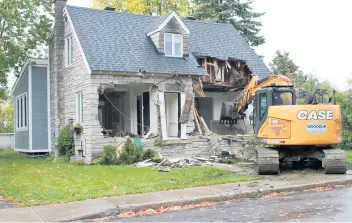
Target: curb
[[113, 209], [101, 214], [231, 196]]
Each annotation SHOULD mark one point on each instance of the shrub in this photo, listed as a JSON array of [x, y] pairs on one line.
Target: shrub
[[97, 161], [109, 156], [346, 140], [65, 144], [60, 159], [130, 153], [148, 154], [159, 142], [78, 162]]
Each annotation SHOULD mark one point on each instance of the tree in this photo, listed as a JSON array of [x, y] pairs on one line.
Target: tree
[[344, 99], [24, 27], [284, 65], [239, 13], [6, 117], [304, 83], [151, 7]]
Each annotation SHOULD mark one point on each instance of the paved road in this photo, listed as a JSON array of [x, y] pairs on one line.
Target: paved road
[[328, 206]]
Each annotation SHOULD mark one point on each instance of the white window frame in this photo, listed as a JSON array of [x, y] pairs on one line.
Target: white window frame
[[21, 125], [68, 51], [79, 108], [173, 44]]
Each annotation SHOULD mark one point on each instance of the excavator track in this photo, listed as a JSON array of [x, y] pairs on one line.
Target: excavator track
[[334, 161], [268, 161]]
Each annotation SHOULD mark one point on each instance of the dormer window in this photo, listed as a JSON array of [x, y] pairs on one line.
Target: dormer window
[[173, 46]]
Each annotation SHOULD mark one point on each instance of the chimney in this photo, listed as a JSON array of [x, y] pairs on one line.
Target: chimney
[[190, 18], [110, 8], [57, 69]]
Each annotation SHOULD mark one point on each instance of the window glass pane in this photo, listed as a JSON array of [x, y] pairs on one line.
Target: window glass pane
[[178, 45], [81, 115], [21, 113], [282, 98], [263, 105], [67, 48], [168, 44], [18, 113], [70, 39], [25, 111]]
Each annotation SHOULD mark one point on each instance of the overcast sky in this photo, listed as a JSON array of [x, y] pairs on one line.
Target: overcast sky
[[317, 34]]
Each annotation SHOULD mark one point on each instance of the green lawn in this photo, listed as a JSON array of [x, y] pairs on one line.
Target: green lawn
[[29, 181], [349, 155]]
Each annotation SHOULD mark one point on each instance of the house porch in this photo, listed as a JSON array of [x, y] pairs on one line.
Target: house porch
[[123, 106]]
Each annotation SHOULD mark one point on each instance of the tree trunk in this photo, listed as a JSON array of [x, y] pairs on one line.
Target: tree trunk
[[160, 7], [150, 10]]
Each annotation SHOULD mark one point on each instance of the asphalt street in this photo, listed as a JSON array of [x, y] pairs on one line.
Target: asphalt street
[[323, 206]]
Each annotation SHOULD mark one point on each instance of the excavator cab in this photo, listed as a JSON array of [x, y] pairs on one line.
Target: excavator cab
[[270, 96]]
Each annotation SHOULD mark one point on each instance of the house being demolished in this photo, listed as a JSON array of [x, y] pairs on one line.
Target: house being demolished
[[119, 74]]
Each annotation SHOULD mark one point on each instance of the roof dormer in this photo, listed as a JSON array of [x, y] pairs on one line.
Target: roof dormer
[[170, 35]]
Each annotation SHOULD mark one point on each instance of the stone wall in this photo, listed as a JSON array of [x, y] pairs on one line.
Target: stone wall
[[94, 138], [56, 60]]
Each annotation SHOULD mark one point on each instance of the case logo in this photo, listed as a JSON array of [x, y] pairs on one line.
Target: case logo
[[315, 115]]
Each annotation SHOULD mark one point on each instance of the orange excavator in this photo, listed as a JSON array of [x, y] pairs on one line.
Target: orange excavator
[[289, 132]]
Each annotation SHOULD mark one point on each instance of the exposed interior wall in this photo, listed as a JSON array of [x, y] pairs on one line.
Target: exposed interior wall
[[217, 98]]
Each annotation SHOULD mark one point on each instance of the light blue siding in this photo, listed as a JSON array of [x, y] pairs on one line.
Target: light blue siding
[[22, 138], [39, 108]]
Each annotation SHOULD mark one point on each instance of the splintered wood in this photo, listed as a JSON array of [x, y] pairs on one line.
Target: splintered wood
[[187, 106], [197, 122], [198, 87], [200, 123]]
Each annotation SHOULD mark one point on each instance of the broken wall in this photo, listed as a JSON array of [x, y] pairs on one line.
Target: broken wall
[[217, 99], [93, 139]]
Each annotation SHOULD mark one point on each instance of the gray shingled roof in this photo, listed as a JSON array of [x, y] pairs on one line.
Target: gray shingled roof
[[114, 41]]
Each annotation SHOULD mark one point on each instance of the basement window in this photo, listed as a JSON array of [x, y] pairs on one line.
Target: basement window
[[173, 45]]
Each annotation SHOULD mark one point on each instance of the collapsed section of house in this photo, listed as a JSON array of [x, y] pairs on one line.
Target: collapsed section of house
[[184, 113]]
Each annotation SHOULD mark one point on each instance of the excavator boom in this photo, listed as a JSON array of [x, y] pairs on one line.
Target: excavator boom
[[254, 85]]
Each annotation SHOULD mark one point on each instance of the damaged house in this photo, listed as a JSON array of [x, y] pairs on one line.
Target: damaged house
[[119, 73]]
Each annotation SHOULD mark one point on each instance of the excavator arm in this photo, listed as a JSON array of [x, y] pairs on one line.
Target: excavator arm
[[253, 86]]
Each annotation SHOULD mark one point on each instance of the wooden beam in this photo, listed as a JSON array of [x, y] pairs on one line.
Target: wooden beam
[[197, 122]]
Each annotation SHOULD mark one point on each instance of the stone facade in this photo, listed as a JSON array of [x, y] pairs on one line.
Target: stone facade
[[56, 49], [66, 82]]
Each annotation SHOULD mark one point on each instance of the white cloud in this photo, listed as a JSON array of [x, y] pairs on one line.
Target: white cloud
[[83, 3], [315, 32]]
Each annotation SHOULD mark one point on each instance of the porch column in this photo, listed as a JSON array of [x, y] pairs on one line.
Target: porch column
[[183, 126], [153, 100], [162, 115]]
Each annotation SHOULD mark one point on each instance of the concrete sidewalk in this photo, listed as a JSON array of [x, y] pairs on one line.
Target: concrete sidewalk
[[97, 208]]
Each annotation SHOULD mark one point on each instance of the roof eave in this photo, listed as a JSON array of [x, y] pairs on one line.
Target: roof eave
[[29, 61], [166, 21]]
